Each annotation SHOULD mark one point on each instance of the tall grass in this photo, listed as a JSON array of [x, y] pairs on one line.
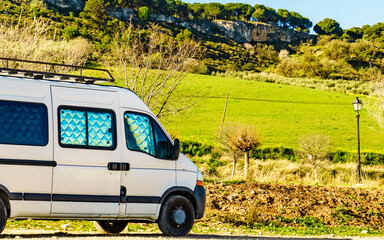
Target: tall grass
[[342, 86], [288, 172], [34, 41]]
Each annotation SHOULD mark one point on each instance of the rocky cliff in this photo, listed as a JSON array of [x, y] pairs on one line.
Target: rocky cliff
[[240, 32], [66, 5]]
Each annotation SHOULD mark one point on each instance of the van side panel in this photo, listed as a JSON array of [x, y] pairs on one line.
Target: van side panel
[[82, 184], [24, 169]]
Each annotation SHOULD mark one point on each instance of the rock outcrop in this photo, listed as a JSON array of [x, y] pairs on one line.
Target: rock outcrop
[[240, 32], [67, 5]]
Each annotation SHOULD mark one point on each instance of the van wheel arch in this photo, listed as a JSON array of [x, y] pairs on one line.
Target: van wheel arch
[[4, 195], [181, 191]]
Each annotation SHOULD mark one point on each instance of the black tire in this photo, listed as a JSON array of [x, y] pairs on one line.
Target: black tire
[[3, 215], [115, 226], [177, 216]]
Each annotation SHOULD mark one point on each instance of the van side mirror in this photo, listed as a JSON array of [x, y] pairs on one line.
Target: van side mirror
[[176, 148]]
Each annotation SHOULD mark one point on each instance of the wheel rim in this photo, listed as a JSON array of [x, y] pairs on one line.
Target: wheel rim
[[178, 217]]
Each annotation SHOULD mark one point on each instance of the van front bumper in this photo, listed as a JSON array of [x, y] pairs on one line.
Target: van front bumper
[[200, 196]]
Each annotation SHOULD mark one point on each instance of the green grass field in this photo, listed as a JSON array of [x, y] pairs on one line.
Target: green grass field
[[281, 113]]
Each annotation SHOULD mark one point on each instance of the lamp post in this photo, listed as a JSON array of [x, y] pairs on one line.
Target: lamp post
[[357, 104]]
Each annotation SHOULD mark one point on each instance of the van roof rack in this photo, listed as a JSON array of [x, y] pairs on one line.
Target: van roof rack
[[48, 74]]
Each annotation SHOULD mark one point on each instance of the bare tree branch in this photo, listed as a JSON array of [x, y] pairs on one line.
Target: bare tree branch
[[157, 66]]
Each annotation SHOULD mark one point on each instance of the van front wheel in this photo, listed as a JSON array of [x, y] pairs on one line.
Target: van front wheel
[[3, 215], [115, 226], [176, 216]]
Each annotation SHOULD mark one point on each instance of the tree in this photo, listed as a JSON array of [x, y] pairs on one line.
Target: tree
[[230, 12], [143, 13], [197, 10], [136, 4], [159, 6], [228, 148], [294, 19], [238, 11], [314, 65], [304, 25], [284, 16], [265, 14], [182, 10], [328, 27], [353, 33], [96, 10], [314, 148], [244, 138], [124, 3], [213, 10], [156, 65]]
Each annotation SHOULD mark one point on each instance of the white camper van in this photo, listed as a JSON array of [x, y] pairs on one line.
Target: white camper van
[[84, 151]]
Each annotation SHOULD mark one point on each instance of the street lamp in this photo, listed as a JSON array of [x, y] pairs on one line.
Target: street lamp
[[357, 104]]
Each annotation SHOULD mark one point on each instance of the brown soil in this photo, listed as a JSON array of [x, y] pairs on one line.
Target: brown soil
[[248, 203]]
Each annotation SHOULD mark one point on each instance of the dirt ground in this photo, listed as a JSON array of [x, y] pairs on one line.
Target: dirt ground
[[250, 203], [34, 235], [333, 206]]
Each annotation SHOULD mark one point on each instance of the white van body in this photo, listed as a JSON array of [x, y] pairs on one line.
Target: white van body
[[60, 160]]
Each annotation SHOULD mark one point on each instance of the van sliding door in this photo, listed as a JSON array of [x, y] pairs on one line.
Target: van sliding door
[[85, 148]]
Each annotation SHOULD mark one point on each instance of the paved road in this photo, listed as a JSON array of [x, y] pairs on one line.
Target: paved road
[[136, 236]]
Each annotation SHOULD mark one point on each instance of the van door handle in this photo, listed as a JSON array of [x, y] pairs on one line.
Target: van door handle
[[125, 166], [116, 166]]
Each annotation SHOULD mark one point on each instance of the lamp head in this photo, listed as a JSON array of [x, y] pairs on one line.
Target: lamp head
[[357, 104]]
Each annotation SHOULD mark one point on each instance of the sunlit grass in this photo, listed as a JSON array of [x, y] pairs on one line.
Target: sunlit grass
[[281, 113]]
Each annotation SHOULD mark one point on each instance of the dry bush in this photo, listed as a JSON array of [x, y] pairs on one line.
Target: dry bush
[[32, 41], [155, 64], [314, 149], [240, 138], [288, 172]]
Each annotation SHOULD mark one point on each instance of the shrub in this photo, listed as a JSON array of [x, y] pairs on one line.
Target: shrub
[[70, 33], [195, 148], [367, 158], [213, 164], [314, 148], [143, 13], [186, 34], [277, 153], [288, 68]]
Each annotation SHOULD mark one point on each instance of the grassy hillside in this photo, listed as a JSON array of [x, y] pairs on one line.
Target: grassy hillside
[[281, 113]]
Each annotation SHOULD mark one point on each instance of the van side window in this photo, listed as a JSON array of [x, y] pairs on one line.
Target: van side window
[[87, 128], [23, 123], [163, 145], [145, 135]]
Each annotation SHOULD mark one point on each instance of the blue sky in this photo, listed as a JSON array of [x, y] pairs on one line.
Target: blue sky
[[352, 13]]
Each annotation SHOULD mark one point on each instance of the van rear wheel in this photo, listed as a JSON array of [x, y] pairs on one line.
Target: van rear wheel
[[177, 216], [3, 215], [115, 226]]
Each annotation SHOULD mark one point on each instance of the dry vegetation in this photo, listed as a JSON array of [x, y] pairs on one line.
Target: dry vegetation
[[35, 42], [288, 172]]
